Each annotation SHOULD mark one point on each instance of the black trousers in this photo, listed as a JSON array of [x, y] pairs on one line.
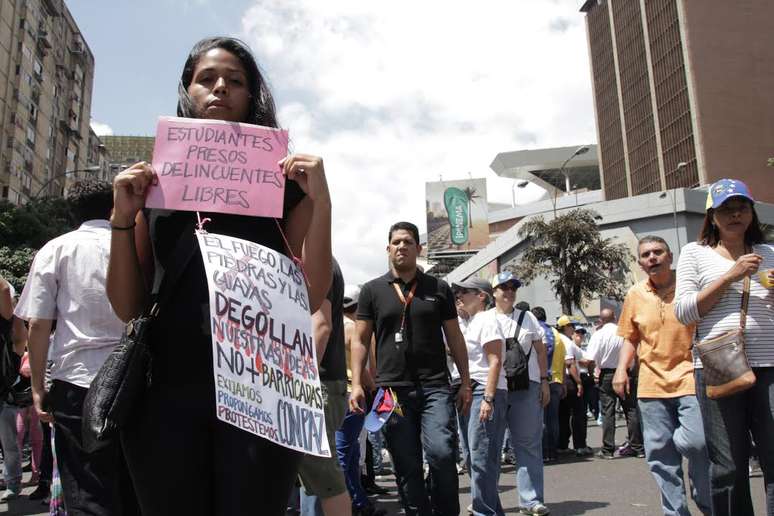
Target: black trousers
[[590, 394], [93, 483], [182, 459], [572, 418], [631, 412]]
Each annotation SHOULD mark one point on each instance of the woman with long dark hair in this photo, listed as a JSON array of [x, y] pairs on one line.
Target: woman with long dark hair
[[710, 279], [181, 458]]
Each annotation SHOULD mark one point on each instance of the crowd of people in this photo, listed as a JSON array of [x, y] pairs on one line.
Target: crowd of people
[[472, 374]]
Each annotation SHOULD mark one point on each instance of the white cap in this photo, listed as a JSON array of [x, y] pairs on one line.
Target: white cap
[[351, 293]]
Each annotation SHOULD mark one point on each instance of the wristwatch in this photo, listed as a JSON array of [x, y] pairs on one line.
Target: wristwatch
[[546, 377], [489, 399]]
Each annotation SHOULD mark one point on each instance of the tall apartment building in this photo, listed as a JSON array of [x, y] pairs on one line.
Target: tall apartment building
[[682, 93], [46, 77], [125, 151]]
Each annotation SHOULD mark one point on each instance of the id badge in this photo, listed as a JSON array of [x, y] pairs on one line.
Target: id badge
[[398, 337]]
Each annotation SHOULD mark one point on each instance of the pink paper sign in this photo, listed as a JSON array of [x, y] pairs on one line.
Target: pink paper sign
[[225, 167]]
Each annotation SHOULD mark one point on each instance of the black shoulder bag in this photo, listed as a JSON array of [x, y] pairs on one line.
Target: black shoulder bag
[[516, 362], [126, 374]]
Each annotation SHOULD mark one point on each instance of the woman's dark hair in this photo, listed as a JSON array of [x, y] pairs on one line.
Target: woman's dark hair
[[90, 199], [262, 110], [710, 235]]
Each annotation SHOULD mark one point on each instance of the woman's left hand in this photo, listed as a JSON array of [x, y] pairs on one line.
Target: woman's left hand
[[308, 171]]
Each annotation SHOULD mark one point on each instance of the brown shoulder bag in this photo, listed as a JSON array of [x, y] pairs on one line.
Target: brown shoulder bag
[[726, 370]]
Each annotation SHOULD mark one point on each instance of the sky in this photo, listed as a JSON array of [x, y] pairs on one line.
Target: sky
[[389, 95]]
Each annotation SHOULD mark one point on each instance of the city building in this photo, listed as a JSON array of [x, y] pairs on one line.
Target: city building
[[125, 151], [46, 77], [682, 93]]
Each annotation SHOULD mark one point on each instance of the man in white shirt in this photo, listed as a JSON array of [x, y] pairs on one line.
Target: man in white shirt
[[66, 284], [604, 347]]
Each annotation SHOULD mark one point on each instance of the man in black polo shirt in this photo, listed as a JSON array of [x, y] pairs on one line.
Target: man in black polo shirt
[[410, 313]]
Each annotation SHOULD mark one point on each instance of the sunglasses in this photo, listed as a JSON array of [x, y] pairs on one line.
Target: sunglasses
[[463, 291], [507, 286]]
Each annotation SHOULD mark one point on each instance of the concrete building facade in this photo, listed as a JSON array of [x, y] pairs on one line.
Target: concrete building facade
[[682, 93], [46, 78]]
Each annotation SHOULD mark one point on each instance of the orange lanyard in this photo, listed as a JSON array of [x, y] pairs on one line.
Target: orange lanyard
[[406, 301]]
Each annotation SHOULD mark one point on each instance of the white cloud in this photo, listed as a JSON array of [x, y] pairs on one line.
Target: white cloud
[[101, 129], [394, 96]]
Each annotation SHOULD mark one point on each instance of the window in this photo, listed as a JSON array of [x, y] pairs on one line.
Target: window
[[31, 136]]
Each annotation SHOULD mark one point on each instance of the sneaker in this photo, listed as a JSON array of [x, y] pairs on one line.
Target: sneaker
[[470, 508], [40, 492], [536, 510], [599, 421], [9, 494], [584, 452], [602, 454], [628, 451]]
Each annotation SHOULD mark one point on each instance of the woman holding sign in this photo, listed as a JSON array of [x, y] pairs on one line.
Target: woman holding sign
[[175, 444]]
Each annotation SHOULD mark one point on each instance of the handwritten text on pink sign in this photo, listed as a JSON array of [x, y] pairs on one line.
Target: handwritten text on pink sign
[[225, 167]]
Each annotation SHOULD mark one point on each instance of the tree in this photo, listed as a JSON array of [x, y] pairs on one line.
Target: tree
[[471, 194], [24, 229], [577, 261]]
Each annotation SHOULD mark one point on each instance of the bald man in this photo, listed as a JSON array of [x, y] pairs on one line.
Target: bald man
[[604, 348]]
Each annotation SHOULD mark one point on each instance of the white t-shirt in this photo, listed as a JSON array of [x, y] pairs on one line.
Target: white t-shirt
[[573, 352], [604, 347], [66, 283], [530, 331], [482, 329], [450, 365]]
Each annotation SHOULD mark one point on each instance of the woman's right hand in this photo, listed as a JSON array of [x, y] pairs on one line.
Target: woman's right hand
[[130, 187], [746, 265]]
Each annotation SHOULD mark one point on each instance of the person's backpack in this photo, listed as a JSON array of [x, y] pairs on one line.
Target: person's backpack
[[516, 362], [9, 361]]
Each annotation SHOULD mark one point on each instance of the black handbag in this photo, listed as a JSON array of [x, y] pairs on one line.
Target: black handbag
[[125, 376], [516, 362]]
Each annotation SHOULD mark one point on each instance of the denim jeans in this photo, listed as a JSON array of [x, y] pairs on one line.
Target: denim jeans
[[12, 463], [348, 450], [551, 419], [484, 442], [609, 398], [672, 429], [427, 424], [728, 423], [525, 420]]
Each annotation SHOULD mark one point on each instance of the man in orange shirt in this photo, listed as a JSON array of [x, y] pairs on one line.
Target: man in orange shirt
[[671, 420]]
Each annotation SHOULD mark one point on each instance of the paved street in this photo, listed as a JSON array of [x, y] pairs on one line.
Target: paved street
[[573, 486]]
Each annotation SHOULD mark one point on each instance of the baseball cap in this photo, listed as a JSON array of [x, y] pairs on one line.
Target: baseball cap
[[381, 410], [474, 283], [351, 293], [564, 320], [722, 190], [505, 277]]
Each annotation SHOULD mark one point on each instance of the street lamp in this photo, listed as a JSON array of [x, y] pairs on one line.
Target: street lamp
[[95, 168], [520, 184], [580, 150], [678, 168]]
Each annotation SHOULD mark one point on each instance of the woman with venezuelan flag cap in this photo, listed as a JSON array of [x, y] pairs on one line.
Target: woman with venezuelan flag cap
[[711, 278]]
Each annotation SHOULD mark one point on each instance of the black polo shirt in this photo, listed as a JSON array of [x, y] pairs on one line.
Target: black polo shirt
[[421, 357]]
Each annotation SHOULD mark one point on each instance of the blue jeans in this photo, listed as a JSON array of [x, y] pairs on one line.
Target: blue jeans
[[672, 429], [728, 423], [348, 450], [12, 462], [483, 442], [525, 420], [551, 418], [427, 424]]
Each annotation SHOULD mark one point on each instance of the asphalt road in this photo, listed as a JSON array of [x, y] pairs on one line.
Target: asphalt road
[[588, 486]]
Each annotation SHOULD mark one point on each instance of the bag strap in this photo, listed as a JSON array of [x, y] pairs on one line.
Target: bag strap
[[745, 303], [518, 331], [164, 280]]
